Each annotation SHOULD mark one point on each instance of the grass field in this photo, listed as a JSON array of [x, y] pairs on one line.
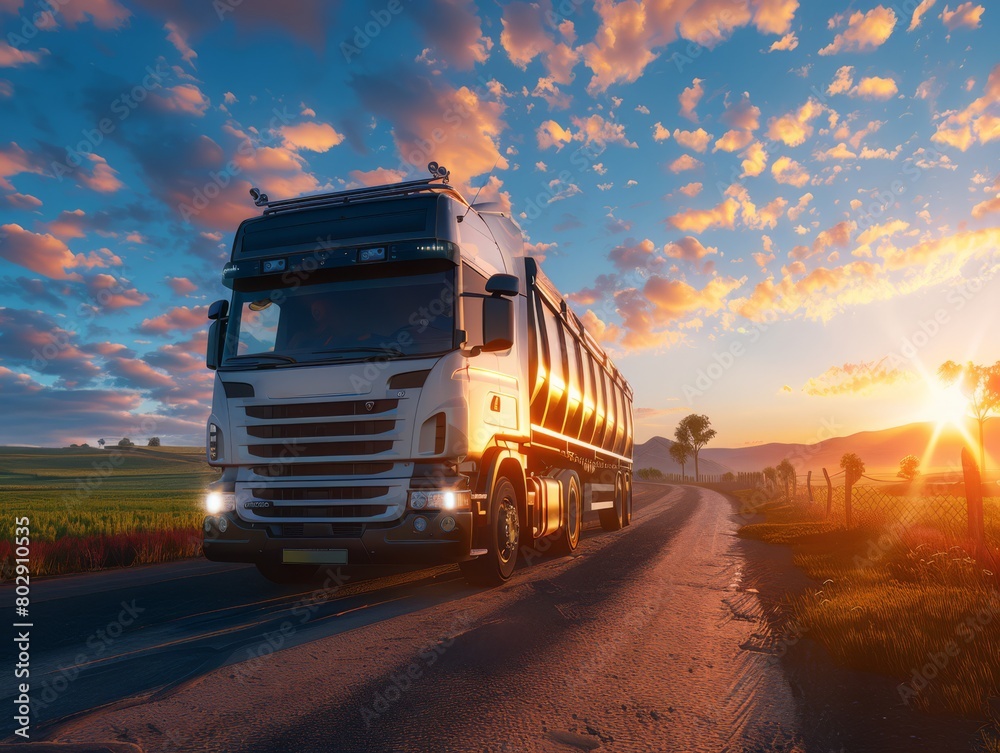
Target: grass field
[[92, 508], [908, 603]]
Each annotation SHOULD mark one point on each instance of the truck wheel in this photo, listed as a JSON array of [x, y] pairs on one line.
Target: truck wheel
[[614, 518], [497, 565], [566, 541], [277, 572]]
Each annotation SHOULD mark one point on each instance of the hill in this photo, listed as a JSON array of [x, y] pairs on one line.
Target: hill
[[655, 453]]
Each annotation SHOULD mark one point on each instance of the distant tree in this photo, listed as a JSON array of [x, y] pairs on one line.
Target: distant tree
[[786, 472], [695, 431], [153, 442], [908, 467], [728, 476], [125, 442], [981, 385], [770, 476], [85, 445], [650, 474], [680, 453], [853, 467], [101, 442], [74, 445]]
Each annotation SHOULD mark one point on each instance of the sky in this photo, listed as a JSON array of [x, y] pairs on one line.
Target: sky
[[783, 215]]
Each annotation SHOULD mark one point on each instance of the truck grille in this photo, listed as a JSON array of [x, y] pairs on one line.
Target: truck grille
[[320, 449], [310, 493], [319, 530], [286, 470], [322, 410], [321, 511]]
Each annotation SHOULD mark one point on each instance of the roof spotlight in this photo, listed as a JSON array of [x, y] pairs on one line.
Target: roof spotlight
[[258, 198], [438, 171]]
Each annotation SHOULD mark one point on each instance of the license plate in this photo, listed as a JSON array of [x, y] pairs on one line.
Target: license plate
[[314, 556]]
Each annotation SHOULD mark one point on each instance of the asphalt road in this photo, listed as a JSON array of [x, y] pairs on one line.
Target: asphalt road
[[643, 640]]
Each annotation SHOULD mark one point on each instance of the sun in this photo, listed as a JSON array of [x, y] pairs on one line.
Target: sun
[[946, 404]]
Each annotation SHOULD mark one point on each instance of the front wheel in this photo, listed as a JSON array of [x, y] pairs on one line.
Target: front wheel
[[497, 565], [284, 575], [566, 540]]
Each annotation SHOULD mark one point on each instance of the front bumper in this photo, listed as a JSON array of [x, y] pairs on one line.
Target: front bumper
[[398, 543]]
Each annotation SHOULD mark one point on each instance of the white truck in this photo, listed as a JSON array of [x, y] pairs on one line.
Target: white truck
[[396, 381]]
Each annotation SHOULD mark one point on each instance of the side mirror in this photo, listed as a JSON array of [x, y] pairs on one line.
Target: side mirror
[[505, 285], [218, 310], [218, 314], [498, 321]]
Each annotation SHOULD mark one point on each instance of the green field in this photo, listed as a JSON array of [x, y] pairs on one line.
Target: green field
[[98, 508]]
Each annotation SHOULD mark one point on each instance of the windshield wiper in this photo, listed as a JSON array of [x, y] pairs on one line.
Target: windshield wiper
[[261, 356], [362, 349]]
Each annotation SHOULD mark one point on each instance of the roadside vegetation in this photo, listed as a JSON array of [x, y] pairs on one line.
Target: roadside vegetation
[[907, 602], [91, 508]]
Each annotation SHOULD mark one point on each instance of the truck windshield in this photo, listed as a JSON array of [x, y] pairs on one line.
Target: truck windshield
[[407, 315]]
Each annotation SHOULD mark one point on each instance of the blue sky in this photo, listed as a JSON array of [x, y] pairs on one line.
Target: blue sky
[[782, 215]]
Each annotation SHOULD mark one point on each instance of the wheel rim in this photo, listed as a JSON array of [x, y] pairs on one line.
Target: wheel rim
[[507, 530], [573, 516]]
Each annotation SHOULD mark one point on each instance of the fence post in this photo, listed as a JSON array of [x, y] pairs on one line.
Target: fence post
[[974, 499], [848, 486], [829, 493], [809, 485]]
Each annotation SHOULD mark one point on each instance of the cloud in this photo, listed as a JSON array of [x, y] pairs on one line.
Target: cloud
[[787, 43], [788, 171], [469, 125], [864, 33], [550, 133], [764, 218], [754, 160], [855, 379], [688, 248], [630, 256], [983, 208], [38, 341], [839, 152], [13, 161], [967, 15], [774, 16], [976, 122], [377, 177], [596, 130], [689, 99], [13, 57], [454, 29], [103, 178], [314, 137], [178, 39], [684, 162], [42, 253], [842, 81], [795, 127], [187, 99], [690, 189], [696, 140], [699, 220], [526, 35], [181, 285], [918, 13], [875, 87], [795, 212], [660, 133], [177, 318]]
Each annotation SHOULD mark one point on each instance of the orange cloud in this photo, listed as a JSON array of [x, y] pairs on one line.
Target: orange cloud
[[842, 81], [40, 252], [314, 137], [684, 162], [689, 99], [875, 87], [699, 220], [691, 189], [696, 140], [983, 208], [595, 129], [659, 132], [377, 177], [967, 15], [976, 122], [103, 178], [182, 98], [754, 160], [688, 248], [788, 171], [177, 318], [795, 127], [918, 13], [13, 57], [855, 379], [550, 133], [864, 32], [733, 141]]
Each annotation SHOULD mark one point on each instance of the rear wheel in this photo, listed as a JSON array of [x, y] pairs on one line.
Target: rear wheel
[[627, 518], [566, 540], [497, 565], [613, 519], [277, 572]]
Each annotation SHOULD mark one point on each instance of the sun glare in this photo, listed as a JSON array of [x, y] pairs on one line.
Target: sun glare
[[946, 405]]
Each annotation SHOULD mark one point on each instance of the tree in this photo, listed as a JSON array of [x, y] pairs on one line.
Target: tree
[[853, 466], [101, 442], [728, 476], [153, 442], [981, 385], [695, 431], [770, 476], [650, 474], [680, 453], [786, 472], [908, 467], [125, 442]]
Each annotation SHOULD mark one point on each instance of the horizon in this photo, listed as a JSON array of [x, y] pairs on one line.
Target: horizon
[[782, 246]]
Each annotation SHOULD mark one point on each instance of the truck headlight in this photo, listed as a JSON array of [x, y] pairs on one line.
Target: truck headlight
[[460, 499], [218, 502]]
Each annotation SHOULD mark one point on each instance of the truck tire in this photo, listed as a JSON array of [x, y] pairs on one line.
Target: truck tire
[[503, 536], [613, 519], [566, 540], [277, 572], [627, 518]]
